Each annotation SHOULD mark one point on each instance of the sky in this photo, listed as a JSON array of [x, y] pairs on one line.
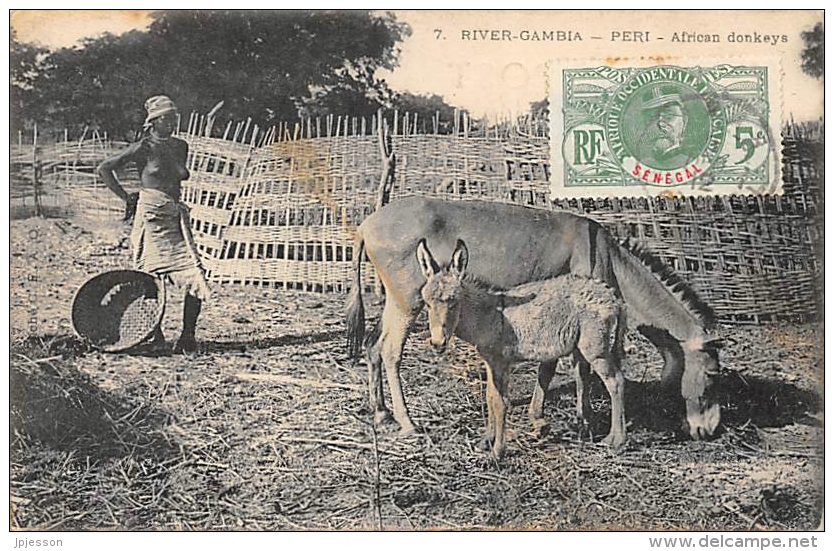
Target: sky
[[446, 53], [59, 28]]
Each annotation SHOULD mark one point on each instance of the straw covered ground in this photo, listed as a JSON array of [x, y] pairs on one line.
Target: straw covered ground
[[268, 429]]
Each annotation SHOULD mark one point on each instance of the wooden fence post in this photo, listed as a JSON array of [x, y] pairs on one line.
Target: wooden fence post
[[389, 163], [386, 178], [36, 173]]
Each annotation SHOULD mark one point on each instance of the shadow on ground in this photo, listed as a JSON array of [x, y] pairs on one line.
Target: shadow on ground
[[272, 342], [761, 402], [54, 404]]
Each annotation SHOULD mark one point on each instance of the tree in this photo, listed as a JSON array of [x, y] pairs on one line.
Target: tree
[[100, 84], [262, 64], [813, 54], [426, 107], [355, 93], [25, 65], [537, 120], [540, 110]]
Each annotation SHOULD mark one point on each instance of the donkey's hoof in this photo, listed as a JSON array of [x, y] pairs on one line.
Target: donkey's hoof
[[497, 454], [583, 429], [616, 443], [541, 428], [383, 417], [409, 431]]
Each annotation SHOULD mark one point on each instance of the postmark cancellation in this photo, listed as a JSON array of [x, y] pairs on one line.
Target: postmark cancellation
[[649, 126]]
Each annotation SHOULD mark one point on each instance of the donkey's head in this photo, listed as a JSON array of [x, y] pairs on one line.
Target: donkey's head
[[702, 413], [442, 292]]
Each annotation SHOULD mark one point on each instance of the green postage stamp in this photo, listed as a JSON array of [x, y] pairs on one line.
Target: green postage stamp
[[642, 127]]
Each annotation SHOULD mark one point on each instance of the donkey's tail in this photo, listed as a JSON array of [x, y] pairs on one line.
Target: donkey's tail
[[620, 327], [355, 309]]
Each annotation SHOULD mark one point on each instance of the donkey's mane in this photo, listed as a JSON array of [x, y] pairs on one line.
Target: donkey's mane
[[673, 282], [482, 285]]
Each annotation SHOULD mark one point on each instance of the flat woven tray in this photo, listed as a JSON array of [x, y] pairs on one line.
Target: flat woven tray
[[118, 310]]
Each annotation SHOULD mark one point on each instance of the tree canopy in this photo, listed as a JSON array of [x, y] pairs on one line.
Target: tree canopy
[[813, 54], [25, 64], [426, 107], [268, 65]]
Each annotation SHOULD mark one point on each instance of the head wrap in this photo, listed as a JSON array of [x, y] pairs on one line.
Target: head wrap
[[158, 106]]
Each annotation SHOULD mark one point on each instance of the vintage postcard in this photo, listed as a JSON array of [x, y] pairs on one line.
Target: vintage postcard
[[417, 271]]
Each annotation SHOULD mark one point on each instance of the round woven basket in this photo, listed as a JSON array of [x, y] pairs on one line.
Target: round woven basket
[[118, 310]]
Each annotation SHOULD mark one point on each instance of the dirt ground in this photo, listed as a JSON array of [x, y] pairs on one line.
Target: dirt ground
[[268, 428]]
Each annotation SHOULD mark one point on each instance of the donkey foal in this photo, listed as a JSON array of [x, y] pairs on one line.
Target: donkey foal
[[540, 321]]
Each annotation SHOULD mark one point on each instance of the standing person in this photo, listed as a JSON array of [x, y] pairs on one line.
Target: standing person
[[161, 238]]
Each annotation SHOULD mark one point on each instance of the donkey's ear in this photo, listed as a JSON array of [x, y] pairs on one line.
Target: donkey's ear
[[427, 264], [460, 258]]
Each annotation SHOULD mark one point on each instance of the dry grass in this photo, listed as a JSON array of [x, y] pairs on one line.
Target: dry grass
[[269, 429]]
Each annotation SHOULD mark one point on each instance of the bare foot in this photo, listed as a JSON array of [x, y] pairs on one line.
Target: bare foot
[[185, 345]]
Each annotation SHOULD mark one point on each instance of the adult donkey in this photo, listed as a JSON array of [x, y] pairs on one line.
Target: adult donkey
[[511, 245]]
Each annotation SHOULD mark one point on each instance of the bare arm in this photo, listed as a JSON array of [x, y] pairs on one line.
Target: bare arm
[[183, 160], [106, 168]]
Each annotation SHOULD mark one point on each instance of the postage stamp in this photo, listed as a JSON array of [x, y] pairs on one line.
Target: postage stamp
[[644, 127]]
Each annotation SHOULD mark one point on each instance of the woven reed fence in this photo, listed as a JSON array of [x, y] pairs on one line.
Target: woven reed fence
[[278, 207], [56, 176], [752, 258]]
